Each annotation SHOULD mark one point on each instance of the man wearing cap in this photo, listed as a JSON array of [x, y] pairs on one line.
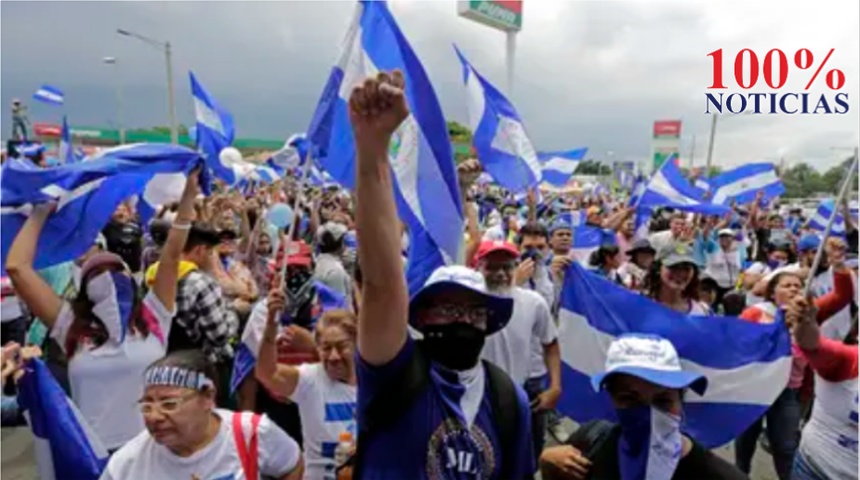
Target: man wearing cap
[[426, 407], [646, 385], [527, 348], [329, 269]]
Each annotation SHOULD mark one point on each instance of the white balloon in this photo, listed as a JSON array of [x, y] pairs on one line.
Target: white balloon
[[230, 156]]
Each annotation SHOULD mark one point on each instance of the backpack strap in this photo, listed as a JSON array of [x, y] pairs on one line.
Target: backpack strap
[[506, 413], [248, 452], [389, 405]]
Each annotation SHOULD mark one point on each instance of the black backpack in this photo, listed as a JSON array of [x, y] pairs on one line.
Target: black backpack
[[390, 405]]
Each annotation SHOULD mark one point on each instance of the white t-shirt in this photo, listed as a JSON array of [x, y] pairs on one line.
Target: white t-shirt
[[661, 240], [107, 382], [758, 268], [143, 458], [830, 437], [511, 348], [327, 408]]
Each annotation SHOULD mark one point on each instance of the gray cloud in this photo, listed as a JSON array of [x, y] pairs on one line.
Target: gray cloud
[[587, 73]]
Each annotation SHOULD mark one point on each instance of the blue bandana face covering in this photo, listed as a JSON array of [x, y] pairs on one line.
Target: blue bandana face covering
[[112, 294], [650, 443]]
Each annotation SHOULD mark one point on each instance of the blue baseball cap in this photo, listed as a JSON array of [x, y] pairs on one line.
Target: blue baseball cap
[[651, 358], [810, 241]]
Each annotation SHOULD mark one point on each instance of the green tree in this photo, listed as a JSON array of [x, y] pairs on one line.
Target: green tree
[[591, 167], [801, 181], [461, 137], [833, 178]]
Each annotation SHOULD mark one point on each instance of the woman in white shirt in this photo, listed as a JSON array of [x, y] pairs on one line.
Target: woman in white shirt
[[108, 332], [325, 392], [187, 437]]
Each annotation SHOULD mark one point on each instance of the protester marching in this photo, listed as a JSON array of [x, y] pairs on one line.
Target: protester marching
[[361, 306]]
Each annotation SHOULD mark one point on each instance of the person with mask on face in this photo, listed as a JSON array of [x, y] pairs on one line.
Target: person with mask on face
[[532, 272], [108, 332], [527, 348], [306, 301], [426, 408], [633, 272], [186, 436], [646, 384], [124, 237], [325, 391]]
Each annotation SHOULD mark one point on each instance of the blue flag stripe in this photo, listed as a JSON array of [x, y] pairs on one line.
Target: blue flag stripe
[[339, 412]]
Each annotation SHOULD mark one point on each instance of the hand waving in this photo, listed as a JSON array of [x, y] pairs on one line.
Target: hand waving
[[376, 108]]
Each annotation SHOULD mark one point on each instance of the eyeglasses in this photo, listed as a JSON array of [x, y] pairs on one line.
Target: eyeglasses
[[474, 314], [166, 406]]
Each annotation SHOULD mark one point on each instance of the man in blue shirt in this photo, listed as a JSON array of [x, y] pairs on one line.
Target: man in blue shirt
[[427, 409]]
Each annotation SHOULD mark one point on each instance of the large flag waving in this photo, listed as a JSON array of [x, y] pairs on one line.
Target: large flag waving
[[88, 193], [215, 132], [669, 188], [743, 183], [420, 148], [65, 446], [557, 167], [746, 364], [499, 137]]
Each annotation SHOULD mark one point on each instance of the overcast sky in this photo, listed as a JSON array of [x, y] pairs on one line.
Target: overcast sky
[[588, 73]]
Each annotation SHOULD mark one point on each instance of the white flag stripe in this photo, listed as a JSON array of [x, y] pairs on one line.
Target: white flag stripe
[[754, 182], [584, 348]]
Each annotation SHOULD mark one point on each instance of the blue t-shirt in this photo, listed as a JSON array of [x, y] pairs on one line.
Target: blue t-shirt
[[430, 441]]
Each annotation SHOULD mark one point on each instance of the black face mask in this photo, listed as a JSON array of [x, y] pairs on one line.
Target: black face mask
[[300, 292], [455, 346]]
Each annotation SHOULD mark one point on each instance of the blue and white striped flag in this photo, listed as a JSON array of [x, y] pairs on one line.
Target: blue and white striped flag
[[499, 136], [746, 364], [215, 132], [626, 179], [49, 94], [558, 167], [420, 148], [669, 188], [249, 347], [294, 152], [29, 150], [587, 239], [822, 215], [742, 184], [67, 152], [88, 193], [702, 184], [65, 445]]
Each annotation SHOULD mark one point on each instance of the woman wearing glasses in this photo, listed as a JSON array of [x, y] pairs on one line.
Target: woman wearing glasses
[[325, 392], [109, 332], [186, 437]]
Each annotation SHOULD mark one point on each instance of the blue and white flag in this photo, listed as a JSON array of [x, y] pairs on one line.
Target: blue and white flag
[[29, 150], [66, 151], [747, 365], [65, 445], [587, 239], [669, 188], [88, 193], [499, 136], [49, 94], [215, 132], [702, 184], [558, 167], [626, 179], [249, 347], [294, 152], [822, 215], [420, 148], [741, 184]]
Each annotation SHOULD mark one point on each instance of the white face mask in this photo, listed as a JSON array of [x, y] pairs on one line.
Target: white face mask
[[404, 242], [112, 294]]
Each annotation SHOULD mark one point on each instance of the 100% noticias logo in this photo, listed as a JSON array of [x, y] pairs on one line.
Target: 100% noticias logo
[[774, 70]]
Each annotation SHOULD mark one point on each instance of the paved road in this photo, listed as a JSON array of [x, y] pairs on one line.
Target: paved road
[[18, 461]]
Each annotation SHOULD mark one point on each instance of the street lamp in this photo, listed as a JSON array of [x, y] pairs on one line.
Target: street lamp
[[171, 101], [119, 110]]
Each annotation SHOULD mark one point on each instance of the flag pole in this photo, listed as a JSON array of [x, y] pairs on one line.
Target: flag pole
[[296, 205], [842, 193]]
